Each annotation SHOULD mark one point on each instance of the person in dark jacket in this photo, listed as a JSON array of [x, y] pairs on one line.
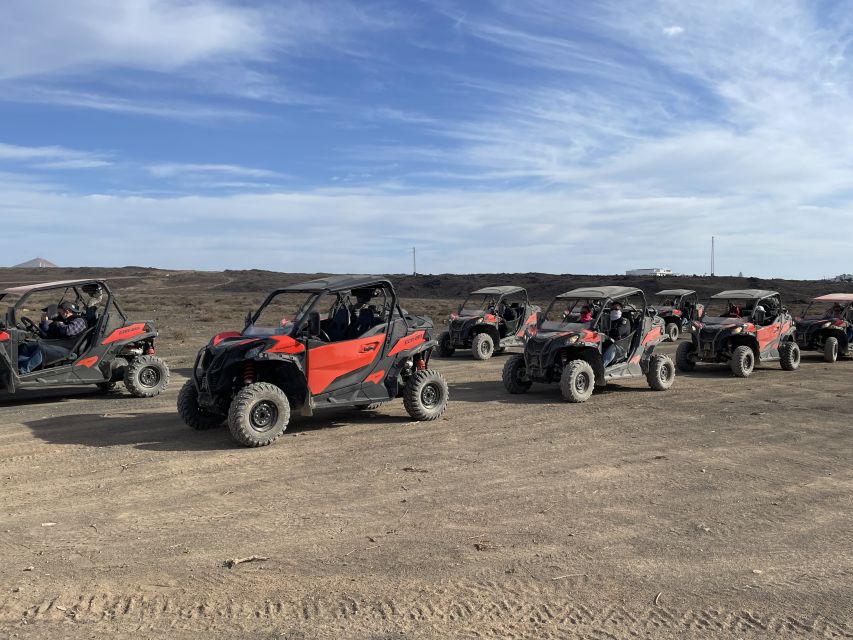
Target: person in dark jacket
[[619, 328], [67, 324]]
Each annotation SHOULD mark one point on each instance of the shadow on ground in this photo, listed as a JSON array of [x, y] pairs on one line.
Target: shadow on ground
[[166, 431]]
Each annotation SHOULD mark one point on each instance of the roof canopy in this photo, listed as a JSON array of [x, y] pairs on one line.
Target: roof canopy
[[601, 292], [746, 294], [338, 283], [835, 297], [675, 292], [27, 288], [498, 291]]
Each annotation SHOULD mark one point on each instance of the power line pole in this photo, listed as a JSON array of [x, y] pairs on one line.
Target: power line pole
[[414, 262], [712, 255]]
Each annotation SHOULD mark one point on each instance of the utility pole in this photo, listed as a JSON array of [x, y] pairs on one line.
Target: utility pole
[[712, 255], [414, 262]]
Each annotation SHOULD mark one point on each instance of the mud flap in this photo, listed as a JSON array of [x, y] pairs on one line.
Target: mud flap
[[307, 408]]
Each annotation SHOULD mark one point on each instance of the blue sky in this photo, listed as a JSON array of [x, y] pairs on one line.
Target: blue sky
[[534, 135]]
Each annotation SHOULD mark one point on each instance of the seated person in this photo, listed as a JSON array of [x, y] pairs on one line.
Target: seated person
[[586, 314], [67, 324], [733, 311], [833, 313], [759, 315], [620, 328], [95, 294]]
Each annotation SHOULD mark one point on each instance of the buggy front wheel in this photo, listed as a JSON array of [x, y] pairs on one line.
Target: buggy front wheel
[[577, 381], [258, 415], [146, 377], [661, 373], [425, 395]]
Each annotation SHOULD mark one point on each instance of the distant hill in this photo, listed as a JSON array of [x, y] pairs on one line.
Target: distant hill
[[36, 263]]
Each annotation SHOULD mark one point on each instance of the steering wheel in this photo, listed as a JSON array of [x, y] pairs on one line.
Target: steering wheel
[[31, 326], [323, 336]]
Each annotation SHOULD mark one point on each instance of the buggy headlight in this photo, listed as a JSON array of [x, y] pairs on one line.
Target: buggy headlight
[[572, 339], [737, 330], [825, 324], [479, 321]]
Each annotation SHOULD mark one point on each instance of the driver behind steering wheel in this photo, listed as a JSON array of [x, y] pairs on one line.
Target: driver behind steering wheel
[[67, 324]]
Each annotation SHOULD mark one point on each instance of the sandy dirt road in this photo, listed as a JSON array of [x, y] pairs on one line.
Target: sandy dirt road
[[722, 507]]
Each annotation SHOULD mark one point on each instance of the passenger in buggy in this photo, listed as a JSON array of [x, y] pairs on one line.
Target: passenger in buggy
[[66, 324]]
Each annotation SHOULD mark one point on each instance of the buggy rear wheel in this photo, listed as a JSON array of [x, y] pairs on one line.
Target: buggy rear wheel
[[258, 415], [193, 415], [514, 375], [482, 346], [661, 372], [445, 346], [830, 350], [146, 377], [743, 362], [672, 331], [789, 356], [577, 381], [685, 357], [425, 395]]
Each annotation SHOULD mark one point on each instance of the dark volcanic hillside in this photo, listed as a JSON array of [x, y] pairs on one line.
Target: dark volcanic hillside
[[541, 286]]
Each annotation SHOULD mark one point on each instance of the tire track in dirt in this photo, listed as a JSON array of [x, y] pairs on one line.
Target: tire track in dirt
[[509, 611]]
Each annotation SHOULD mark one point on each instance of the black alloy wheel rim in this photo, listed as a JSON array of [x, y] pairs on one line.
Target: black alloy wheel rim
[[430, 395], [263, 416], [581, 382], [149, 377]]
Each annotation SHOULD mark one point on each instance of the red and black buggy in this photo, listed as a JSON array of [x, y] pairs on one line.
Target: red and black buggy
[[827, 325], [111, 349], [489, 321], [340, 341], [566, 349], [678, 308], [740, 328]]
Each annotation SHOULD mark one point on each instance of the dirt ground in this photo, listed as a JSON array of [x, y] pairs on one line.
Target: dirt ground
[[719, 508]]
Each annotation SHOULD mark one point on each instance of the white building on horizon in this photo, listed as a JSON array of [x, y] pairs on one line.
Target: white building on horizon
[[649, 272]]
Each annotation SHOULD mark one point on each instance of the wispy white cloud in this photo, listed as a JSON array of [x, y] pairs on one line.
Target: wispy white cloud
[[219, 48], [52, 157], [170, 170], [170, 108]]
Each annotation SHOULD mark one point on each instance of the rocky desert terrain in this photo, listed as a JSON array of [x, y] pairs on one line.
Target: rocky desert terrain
[[721, 508]]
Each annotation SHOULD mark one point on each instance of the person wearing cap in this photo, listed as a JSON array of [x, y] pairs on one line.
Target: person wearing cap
[[67, 324]]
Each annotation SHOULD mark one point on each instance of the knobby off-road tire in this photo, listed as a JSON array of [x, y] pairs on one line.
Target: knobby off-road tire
[[661, 372], [672, 331], [789, 356], [146, 377], [743, 362], [577, 381], [445, 347], [685, 357], [514, 375], [830, 350], [425, 395], [482, 346], [258, 415], [193, 415]]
